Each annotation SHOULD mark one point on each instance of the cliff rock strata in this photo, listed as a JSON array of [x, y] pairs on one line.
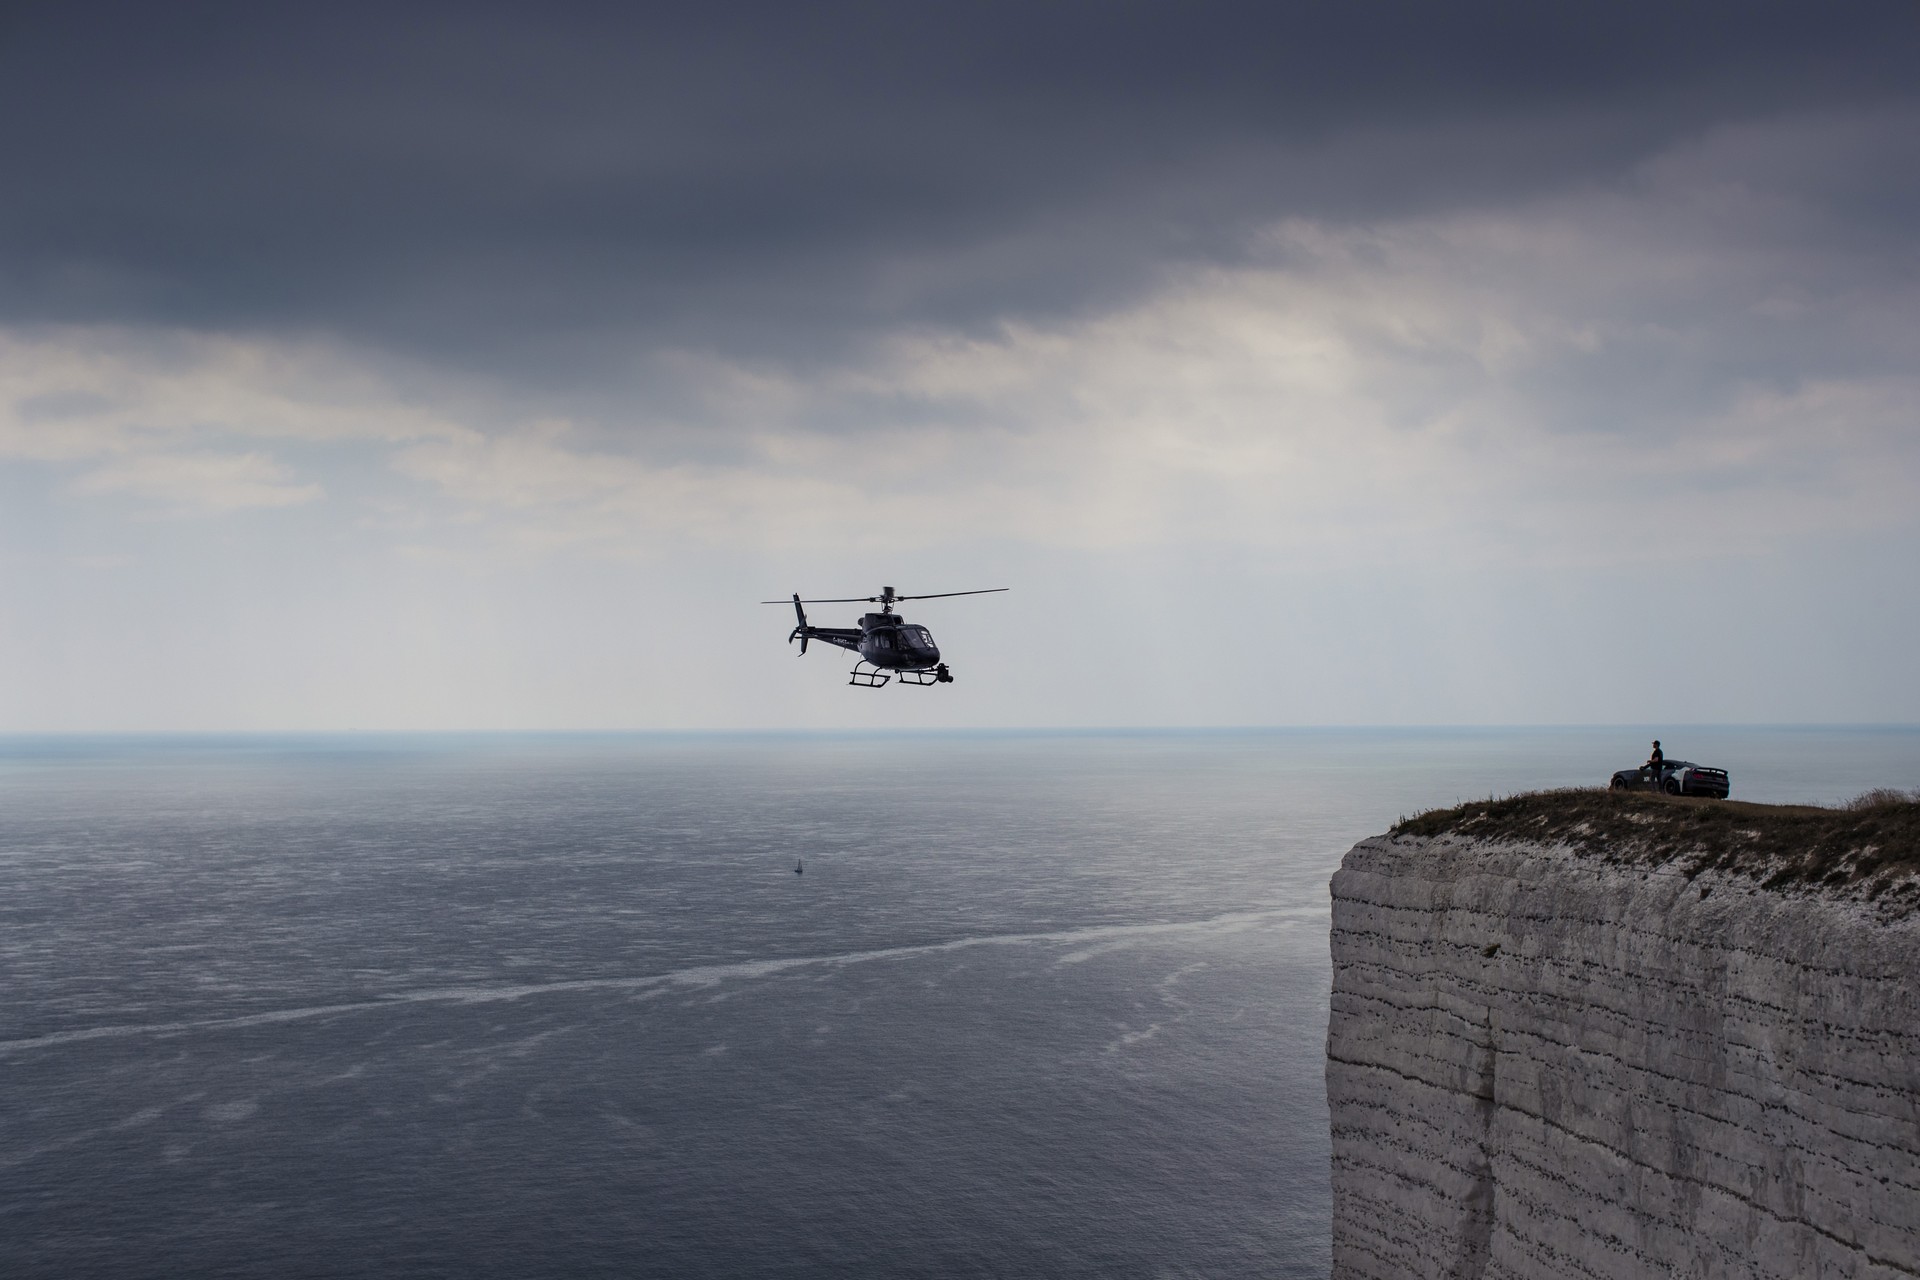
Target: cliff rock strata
[[1576, 1058]]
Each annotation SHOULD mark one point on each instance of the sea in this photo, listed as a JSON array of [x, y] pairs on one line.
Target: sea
[[1016, 1004]]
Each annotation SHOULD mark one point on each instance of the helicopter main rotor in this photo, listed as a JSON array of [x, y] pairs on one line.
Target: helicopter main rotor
[[887, 599]]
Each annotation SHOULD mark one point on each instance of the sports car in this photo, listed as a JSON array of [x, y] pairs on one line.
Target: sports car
[[1676, 778]]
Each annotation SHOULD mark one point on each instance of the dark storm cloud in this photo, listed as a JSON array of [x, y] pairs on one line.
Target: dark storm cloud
[[553, 188]]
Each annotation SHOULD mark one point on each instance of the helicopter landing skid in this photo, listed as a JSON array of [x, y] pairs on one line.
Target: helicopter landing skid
[[871, 677]]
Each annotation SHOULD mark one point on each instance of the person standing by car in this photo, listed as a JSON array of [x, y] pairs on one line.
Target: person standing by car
[[1655, 760]]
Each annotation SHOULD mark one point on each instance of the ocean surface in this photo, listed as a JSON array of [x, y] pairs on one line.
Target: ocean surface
[[1039, 1005]]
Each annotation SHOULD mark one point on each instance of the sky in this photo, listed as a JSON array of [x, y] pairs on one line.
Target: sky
[[420, 366]]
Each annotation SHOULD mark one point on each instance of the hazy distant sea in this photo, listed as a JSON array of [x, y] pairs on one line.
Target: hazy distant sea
[[1040, 1005]]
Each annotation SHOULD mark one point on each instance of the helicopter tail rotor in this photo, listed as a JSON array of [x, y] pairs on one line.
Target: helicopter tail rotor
[[801, 630]]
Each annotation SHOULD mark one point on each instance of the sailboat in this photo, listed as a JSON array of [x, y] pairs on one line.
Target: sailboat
[[798, 869]]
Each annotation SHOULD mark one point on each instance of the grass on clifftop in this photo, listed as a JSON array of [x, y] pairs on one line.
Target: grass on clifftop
[[1869, 843]]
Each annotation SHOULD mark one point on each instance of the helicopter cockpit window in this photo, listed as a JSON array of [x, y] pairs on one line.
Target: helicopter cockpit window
[[918, 636]]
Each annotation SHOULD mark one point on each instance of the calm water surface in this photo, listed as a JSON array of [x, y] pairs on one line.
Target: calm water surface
[[1040, 1005]]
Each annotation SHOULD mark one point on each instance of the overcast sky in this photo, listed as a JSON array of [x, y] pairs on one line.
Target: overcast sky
[[468, 366]]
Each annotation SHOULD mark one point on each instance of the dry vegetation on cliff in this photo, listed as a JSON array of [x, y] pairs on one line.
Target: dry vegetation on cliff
[[1871, 845]]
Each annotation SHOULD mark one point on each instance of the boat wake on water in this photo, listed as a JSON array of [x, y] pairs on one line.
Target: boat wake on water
[[1106, 937]]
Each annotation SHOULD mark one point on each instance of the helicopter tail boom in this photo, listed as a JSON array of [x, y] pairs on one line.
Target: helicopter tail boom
[[803, 631]]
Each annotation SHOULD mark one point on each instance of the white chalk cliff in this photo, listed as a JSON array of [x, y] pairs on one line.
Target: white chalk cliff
[[1549, 1060]]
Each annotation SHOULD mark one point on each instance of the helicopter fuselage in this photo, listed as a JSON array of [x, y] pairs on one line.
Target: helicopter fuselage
[[885, 640]]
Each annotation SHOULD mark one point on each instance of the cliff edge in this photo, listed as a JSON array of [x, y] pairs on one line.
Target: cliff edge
[[1602, 1035]]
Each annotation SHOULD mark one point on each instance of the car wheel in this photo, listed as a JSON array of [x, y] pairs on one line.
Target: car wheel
[[1616, 785], [1673, 786]]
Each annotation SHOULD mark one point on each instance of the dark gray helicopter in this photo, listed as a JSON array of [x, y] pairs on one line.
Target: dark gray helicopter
[[887, 643]]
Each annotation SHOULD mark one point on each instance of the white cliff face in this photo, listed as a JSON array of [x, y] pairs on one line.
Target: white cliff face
[[1543, 1064]]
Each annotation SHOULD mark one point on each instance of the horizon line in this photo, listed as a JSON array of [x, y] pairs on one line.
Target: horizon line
[[927, 730]]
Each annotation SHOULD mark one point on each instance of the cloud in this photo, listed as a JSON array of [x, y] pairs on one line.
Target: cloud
[[1409, 391], [1460, 388], [1697, 349], [79, 391], [156, 415], [560, 193], [199, 481]]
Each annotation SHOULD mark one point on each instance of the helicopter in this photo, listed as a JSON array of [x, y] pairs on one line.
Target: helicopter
[[889, 646]]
